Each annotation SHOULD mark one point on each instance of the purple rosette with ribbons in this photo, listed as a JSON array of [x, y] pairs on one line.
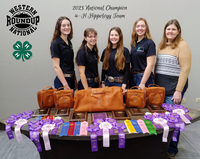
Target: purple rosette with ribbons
[[162, 115], [10, 122], [34, 132], [97, 122], [57, 123], [28, 112], [113, 122], [17, 115], [25, 116], [93, 136], [120, 128], [149, 116], [45, 121], [33, 122], [106, 137]]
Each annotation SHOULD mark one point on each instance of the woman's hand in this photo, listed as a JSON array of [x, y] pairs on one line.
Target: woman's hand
[[177, 97], [142, 85], [102, 85]]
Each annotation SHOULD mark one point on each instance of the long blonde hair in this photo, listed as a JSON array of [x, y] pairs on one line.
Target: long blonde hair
[[134, 35], [178, 38], [119, 58], [84, 42]]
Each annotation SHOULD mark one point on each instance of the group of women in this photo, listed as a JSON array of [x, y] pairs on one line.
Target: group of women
[[122, 67]]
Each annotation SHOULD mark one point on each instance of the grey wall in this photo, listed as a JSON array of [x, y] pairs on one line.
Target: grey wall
[[20, 81]]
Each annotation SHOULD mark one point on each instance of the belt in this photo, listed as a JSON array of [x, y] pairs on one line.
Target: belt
[[69, 75], [135, 72], [114, 79], [96, 79]]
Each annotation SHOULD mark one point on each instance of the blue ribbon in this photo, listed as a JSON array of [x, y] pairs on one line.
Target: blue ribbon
[[64, 130], [77, 128], [136, 126]]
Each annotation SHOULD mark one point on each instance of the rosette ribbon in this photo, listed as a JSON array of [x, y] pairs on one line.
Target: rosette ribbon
[[34, 131], [163, 123], [113, 122], [28, 112], [25, 116], [181, 112], [46, 128], [106, 138], [136, 126], [57, 123], [129, 126], [150, 127], [83, 129], [143, 126], [97, 122], [120, 127], [77, 128], [10, 122], [19, 123], [93, 136]]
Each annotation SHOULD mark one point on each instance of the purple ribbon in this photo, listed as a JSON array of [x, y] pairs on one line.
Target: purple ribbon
[[10, 122], [35, 135], [98, 121], [33, 122], [120, 127], [18, 115], [28, 112], [57, 123], [111, 121], [25, 117], [162, 115], [46, 121], [187, 116], [93, 136], [149, 117]]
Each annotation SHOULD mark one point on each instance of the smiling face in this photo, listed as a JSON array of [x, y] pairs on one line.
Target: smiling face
[[171, 32], [65, 27], [114, 38], [91, 39], [140, 28]]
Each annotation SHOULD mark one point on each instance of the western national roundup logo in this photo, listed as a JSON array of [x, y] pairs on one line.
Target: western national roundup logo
[[24, 20]]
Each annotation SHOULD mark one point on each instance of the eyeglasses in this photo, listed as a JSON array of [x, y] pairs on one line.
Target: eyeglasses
[[92, 37]]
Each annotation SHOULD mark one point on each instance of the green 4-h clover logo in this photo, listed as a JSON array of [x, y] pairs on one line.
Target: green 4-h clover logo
[[22, 51]]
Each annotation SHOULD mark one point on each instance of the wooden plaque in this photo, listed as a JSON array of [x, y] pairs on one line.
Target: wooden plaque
[[156, 108], [62, 112], [136, 111], [121, 115], [41, 112], [82, 116]]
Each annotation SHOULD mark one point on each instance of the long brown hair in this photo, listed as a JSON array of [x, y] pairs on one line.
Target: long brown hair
[[119, 58], [57, 32], [134, 35], [178, 38], [84, 42]]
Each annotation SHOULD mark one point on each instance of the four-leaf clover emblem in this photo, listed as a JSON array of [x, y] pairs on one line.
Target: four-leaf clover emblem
[[22, 51]]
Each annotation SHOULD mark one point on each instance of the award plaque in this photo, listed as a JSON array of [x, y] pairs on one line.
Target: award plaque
[[136, 111], [121, 115], [62, 112], [98, 116], [156, 108], [41, 112], [82, 116]]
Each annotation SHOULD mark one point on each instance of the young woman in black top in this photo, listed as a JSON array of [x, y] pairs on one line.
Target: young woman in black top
[[87, 60], [63, 55], [116, 61]]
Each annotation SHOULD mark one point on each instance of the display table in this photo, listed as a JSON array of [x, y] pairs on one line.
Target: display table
[[137, 146]]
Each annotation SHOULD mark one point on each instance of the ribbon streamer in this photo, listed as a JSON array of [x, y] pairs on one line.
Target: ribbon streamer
[[129, 126], [19, 123], [142, 126], [106, 138], [136, 126], [46, 128], [181, 112]]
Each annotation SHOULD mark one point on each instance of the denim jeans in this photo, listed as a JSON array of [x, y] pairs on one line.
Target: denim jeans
[[91, 84], [70, 81], [135, 79], [173, 145]]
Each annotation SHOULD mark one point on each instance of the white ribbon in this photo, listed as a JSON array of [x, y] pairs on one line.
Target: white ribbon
[[57, 118], [181, 112], [46, 128], [147, 113], [163, 123], [19, 124], [106, 138]]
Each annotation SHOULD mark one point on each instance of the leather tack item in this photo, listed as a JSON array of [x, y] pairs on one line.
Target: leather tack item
[[135, 97], [64, 98], [45, 97], [155, 94], [99, 99]]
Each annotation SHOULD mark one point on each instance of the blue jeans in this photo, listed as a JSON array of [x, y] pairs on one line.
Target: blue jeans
[[70, 81], [173, 145], [135, 79], [91, 84]]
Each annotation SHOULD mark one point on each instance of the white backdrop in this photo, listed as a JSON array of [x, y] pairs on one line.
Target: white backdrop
[[20, 81]]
